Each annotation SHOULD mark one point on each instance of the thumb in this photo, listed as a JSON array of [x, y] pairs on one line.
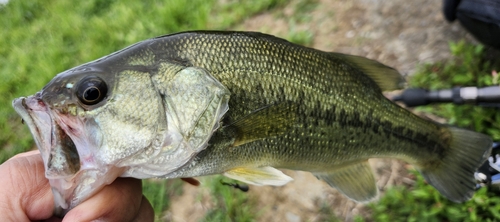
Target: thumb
[[25, 192]]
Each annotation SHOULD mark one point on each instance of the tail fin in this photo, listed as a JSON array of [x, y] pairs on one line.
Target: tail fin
[[454, 178]]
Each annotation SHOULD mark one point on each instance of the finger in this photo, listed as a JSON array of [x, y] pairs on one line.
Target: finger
[[119, 201], [25, 154], [26, 193]]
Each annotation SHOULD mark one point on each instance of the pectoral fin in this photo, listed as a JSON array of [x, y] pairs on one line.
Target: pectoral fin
[[266, 122], [355, 181], [259, 176]]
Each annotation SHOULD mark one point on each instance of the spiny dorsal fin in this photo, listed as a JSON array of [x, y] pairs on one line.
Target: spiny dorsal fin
[[259, 176], [384, 76], [356, 181], [269, 121]]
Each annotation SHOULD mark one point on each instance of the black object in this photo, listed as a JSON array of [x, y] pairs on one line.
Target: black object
[[450, 9], [480, 17], [243, 188], [488, 96], [488, 174]]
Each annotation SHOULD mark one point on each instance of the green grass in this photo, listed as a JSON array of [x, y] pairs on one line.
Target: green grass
[[230, 204], [159, 193], [424, 203]]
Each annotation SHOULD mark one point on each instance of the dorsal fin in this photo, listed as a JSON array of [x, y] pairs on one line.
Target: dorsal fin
[[265, 122], [384, 76]]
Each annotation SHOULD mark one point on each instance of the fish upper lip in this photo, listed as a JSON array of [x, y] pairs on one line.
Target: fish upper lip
[[23, 108]]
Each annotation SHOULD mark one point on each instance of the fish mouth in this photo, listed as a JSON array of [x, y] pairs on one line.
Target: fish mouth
[[72, 180], [60, 166]]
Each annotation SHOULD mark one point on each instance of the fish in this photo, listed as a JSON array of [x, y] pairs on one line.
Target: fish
[[241, 104]]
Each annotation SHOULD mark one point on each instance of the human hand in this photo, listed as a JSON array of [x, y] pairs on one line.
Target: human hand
[[25, 195]]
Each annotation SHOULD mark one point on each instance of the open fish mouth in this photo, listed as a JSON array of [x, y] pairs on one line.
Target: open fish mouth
[[70, 183], [60, 165]]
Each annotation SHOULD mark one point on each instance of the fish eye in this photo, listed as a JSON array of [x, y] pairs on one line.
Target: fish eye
[[91, 90]]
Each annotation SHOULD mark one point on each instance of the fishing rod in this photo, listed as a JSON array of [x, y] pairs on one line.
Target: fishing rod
[[485, 96], [488, 174]]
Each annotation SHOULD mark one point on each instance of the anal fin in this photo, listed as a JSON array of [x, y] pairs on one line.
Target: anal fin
[[356, 181], [259, 176]]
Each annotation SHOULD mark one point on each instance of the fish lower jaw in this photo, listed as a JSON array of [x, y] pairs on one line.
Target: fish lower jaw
[[72, 190]]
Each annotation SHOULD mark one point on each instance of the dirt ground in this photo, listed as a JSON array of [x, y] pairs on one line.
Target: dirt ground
[[398, 33]]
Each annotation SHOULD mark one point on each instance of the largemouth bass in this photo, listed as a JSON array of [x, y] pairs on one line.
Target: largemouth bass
[[240, 104]]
